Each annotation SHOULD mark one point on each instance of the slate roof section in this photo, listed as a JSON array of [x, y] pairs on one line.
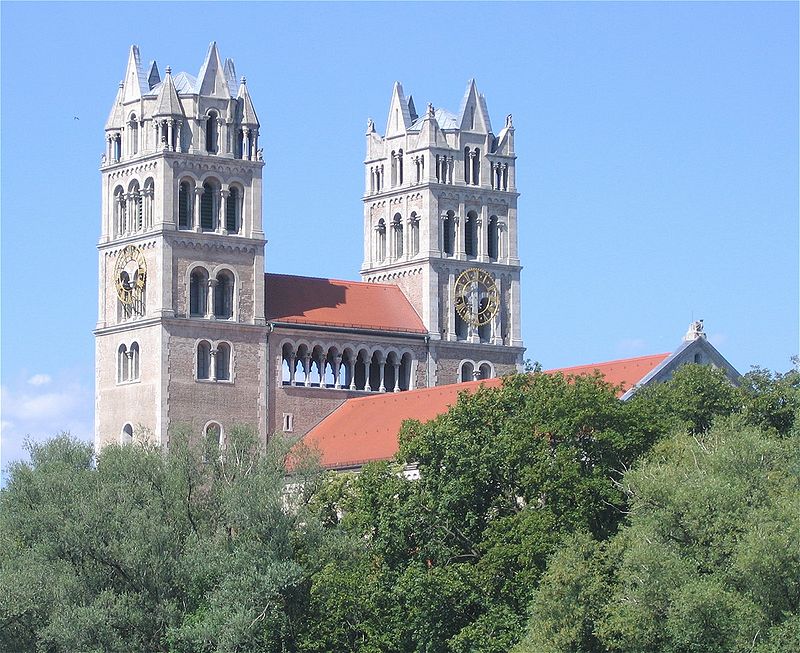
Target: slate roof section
[[167, 103], [365, 429], [341, 304]]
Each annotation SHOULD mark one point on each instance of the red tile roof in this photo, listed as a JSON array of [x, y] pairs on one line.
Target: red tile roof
[[348, 304], [366, 428]]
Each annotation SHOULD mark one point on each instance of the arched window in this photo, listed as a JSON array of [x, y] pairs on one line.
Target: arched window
[[122, 364], [394, 168], [233, 219], [213, 433], [148, 198], [405, 372], [208, 205], [133, 130], [471, 234], [414, 234], [493, 237], [120, 209], [381, 240], [135, 200], [184, 206], [198, 293], [467, 166], [223, 362], [476, 167], [211, 133], [117, 147], [467, 370], [447, 233], [397, 235], [134, 365], [485, 371], [223, 296], [203, 360], [400, 166], [126, 435]]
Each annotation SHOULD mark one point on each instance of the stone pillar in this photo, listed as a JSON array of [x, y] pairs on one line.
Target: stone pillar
[[292, 370], [337, 366], [451, 312], [307, 369], [170, 133], [222, 227], [367, 373], [352, 365], [397, 377], [178, 124], [210, 297], [381, 370], [198, 194], [213, 365]]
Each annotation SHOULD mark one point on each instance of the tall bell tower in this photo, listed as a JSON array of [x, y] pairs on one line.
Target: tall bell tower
[[180, 332], [440, 221]]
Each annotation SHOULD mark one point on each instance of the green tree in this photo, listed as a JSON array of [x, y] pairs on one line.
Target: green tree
[[709, 561], [188, 549]]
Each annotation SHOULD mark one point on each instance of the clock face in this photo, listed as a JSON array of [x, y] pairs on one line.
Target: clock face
[[130, 275], [476, 297]]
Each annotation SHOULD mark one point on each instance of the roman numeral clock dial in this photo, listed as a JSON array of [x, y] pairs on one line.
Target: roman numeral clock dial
[[476, 297], [130, 276]]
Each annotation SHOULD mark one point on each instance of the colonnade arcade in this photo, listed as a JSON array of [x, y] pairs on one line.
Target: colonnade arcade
[[476, 236], [370, 369]]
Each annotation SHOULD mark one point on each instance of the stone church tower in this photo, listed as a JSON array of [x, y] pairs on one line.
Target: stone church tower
[[181, 256], [440, 221]]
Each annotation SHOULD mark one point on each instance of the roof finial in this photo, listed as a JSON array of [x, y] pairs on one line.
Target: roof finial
[[509, 121], [370, 126], [168, 70], [695, 331], [244, 80], [430, 110]]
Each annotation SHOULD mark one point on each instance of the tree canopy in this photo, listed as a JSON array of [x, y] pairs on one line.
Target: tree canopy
[[548, 516]]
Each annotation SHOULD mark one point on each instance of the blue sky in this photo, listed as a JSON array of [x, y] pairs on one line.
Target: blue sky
[[657, 160]]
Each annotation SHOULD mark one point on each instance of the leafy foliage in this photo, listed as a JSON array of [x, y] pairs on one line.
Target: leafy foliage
[[185, 550]]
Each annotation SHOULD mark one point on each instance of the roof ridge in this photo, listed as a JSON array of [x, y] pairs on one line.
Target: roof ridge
[[363, 283]]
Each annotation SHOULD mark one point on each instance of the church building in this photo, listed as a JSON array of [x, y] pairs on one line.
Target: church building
[[191, 331]]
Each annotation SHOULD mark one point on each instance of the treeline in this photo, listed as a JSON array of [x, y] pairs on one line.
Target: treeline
[[548, 517]]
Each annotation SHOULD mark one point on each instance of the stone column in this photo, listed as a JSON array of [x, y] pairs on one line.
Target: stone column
[[198, 194], [352, 365], [213, 371], [367, 373], [178, 124], [222, 227], [337, 366], [381, 370], [397, 377], [210, 298], [170, 126], [451, 311], [292, 370], [307, 369]]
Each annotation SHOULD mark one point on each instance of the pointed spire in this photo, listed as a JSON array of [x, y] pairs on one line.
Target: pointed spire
[[168, 103], [412, 110], [249, 117], [399, 119], [153, 77], [115, 117], [211, 79], [473, 115], [230, 75], [135, 81]]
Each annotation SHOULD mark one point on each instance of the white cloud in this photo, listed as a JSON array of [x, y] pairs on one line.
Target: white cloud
[[39, 379], [31, 411]]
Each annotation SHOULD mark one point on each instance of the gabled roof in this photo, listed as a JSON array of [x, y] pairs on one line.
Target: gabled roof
[[249, 117], [167, 103], [343, 304], [365, 429]]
